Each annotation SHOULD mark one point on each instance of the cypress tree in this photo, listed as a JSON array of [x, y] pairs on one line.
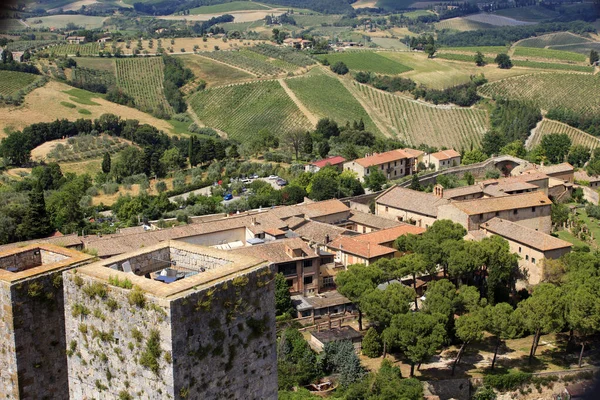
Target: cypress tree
[[36, 223], [106, 163], [191, 152]]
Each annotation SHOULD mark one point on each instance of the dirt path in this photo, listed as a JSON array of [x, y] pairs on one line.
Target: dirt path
[[311, 117], [229, 65]]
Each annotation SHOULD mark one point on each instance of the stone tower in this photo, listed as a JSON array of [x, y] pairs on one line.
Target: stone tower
[[172, 321]]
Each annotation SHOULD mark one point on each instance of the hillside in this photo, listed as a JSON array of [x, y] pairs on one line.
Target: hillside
[[577, 136]]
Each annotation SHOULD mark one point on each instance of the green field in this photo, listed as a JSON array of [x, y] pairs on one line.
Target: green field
[[326, 97], [88, 49], [549, 90], [553, 39], [474, 49], [244, 109], [9, 25], [61, 21], [228, 7], [418, 13], [462, 57], [286, 54], [555, 66], [11, 82], [417, 123], [577, 136], [142, 78], [529, 14], [248, 60], [316, 20], [389, 43], [549, 54], [98, 63], [581, 48], [367, 61], [212, 72], [461, 24]]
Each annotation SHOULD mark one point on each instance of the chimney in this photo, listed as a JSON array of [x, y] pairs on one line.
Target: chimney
[[438, 191], [253, 221], [327, 238]]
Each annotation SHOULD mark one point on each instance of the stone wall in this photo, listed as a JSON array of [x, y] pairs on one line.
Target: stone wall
[[224, 340], [108, 342], [195, 261], [8, 358], [39, 337], [22, 260], [50, 257]]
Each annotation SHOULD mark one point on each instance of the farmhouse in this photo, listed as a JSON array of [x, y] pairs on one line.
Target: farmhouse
[[393, 164], [316, 166], [18, 56], [386, 237], [76, 39], [105, 39], [592, 180], [532, 246], [442, 159], [297, 43], [408, 205]]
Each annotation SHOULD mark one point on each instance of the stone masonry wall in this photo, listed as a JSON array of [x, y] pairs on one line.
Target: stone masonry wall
[[110, 342], [195, 261], [50, 257], [22, 260], [8, 359], [224, 344], [38, 313]]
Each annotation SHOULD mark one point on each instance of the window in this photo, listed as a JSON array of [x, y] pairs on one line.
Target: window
[[382, 166], [328, 281], [364, 229], [480, 217], [515, 212], [533, 260], [395, 163], [386, 208], [287, 269], [527, 258], [308, 280], [497, 213], [307, 263], [395, 172], [519, 249], [532, 209]]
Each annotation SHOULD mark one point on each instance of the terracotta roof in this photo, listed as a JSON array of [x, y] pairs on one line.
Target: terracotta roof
[[274, 232], [331, 160], [529, 237], [360, 248], [493, 204], [390, 234], [581, 175], [374, 221], [311, 210], [445, 154], [413, 152], [275, 251], [555, 169], [528, 176], [327, 299], [64, 241], [412, 200], [381, 158], [462, 191], [318, 231], [504, 188]]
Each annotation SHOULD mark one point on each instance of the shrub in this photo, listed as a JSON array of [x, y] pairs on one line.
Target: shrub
[[95, 289], [136, 297], [507, 382], [339, 68], [67, 104], [151, 355], [371, 344]]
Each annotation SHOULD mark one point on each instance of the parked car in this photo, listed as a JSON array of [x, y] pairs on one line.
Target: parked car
[[246, 180], [281, 182], [254, 176], [228, 196], [272, 177]]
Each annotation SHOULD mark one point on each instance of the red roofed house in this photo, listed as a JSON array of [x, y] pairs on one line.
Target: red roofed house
[[335, 161], [442, 159], [394, 164]]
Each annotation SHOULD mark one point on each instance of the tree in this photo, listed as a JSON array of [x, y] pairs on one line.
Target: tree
[[232, 152], [161, 187], [192, 158], [356, 282], [323, 148], [559, 213], [389, 385], [469, 328], [430, 48], [283, 301], [583, 309], [328, 128], [418, 335], [501, 266], [578, 155], [556, 146], [493, 141], [515, 149], [36, 223], [340, 357], [503, 61], [415, 184], [594, 56], [307, 144], [172, 159], [294, 139], [375, 179], [381, 305], [340, 68], [296, 362], [502, 323], [106, 163], [479, 59], [412, 264], [371, 344], [473, 156], [323, 187], [542, 312]]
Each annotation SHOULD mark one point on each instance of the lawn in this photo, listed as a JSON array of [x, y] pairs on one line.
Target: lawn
[[367, 61], [326, 96], [535, 52], [228, 7]]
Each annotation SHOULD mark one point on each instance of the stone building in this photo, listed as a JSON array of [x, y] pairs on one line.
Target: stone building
[[172, 321], [33, 362], [411, 206], [393, 164]]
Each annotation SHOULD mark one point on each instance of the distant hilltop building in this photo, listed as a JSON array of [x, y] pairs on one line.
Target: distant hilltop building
[[173, 320], [33, 360]]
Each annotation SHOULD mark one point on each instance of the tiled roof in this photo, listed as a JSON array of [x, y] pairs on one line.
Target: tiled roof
[[360, 248], [64, 241], [581, 175], [381, 158], [390, 234], [327, 299], [528, 176], [412, 200], [331, 160], [503, 188], [445, 154], [318, 231], [372, 220], [529, 237], [311, 210], [493, 204], [332, 335], [275, 251], [413, 152], [556, 169], [462, 191]]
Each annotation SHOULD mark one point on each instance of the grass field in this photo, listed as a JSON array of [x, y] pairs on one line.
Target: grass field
[[11, 82], [529, 14], [461, 24], [492, 50], [326, 97], [61, 21], [9, 25], [581, 48], [416, 122], [247, 60], [227, 7], [549, 54], [549, 90], [316, 20], [389, 43], [101, 64], [88, 49], [142, 78], [552, 39], [367, 61], [212, 72], [243, 110], [555, 66], [577, 136], [495, 20]]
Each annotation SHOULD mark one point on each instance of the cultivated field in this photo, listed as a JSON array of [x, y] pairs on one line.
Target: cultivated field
[[389, 43], [490, 50], [367, 61], [98, 63], [43, 105], [284, 54], [326, 97], [11, 82], [552, 39], [496, 20], [9, 25], [582, 48], [549, 90], [228, 7], [461, 24], [61, 21], [316, 20], [244, 109], [78, 148], [250, 61], [142, 78], [417, 122], [533, 52], [577, 136], [88, 49], [212, 72], [529, 14]]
